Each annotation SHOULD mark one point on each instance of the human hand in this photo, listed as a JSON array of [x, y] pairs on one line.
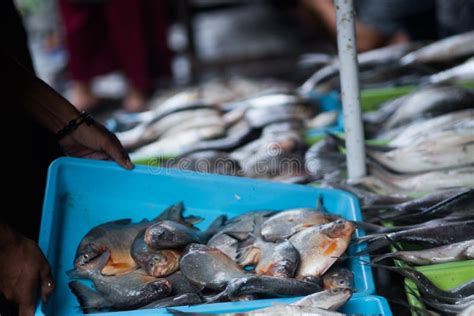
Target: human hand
[[23, 268], [94, 141]]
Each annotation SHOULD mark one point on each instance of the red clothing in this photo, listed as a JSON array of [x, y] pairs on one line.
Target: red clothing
[[108, 35]]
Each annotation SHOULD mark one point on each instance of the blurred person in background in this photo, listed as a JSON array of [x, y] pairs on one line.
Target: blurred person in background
[[384, 22], [103, 36], [38, 124]]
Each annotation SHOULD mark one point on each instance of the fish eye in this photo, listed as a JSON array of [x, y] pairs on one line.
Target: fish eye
[[86, 256], [342, 282]]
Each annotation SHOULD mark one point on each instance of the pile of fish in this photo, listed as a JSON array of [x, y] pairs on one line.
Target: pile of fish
[[168, 262], [441, 226], [429, 144], [446, 60]]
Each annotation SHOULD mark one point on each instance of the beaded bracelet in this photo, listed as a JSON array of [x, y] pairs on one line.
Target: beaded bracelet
[[75, 123]]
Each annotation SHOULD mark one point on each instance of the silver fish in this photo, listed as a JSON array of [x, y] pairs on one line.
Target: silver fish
[[449, 253], [443, 50], [446, 149], [286, 223], [225, 243], [209, 267], [320, 246], [463, 72], [172, 235]]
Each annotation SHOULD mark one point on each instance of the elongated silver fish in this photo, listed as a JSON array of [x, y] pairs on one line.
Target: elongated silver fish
[[463, 72], [441, 150], [443, 50], [449, 253]]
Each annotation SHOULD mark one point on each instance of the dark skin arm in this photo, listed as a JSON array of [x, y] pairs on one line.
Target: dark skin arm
[[53, 112], [23, 269]]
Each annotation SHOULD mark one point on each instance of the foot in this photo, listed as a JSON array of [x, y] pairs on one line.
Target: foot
[[135, 101], [82, 97]]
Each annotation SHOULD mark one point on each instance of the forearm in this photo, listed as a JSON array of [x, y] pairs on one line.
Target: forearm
[[37, 99]]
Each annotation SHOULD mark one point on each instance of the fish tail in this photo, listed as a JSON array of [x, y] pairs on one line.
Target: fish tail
[[78, 273], [89, 299], [193, 219], [215, 226]]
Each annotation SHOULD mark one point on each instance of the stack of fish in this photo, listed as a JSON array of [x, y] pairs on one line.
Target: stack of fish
[[409, 63], [441, 225], [168, 262], [429, 136]]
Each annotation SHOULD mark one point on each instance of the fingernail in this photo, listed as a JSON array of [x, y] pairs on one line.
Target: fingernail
[[129, 164]]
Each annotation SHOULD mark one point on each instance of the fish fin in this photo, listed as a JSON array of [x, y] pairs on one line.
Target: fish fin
[[88, 298], [297, 228], [171, 213], [193, 219], [215, 226], [378, 258]]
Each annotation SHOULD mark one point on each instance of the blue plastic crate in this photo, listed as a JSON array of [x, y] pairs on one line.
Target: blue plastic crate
[[81, 194], [327, 102]]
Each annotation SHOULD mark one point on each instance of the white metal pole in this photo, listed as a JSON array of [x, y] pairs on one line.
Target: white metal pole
[[355, 150]]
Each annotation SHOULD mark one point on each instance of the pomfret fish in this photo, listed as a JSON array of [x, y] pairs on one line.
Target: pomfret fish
[[286, 223], [117, 238], [127, 291], [172, 235], [453, 252], [225, 243], [337, 277], [275, 259], [443, 50], [157, 263], [209, 267], [320, 246]]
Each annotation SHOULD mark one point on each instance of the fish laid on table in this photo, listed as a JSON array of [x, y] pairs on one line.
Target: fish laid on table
[[169, 125], [385, 182], [416, 131], [441, 150], [453, 252], [463, 72], [157, 263], [426, 102], [208, 162], [117, 238], [366, 60], [445, 49], [127, 291], [320, 246], [178, 144], [173, 235]]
